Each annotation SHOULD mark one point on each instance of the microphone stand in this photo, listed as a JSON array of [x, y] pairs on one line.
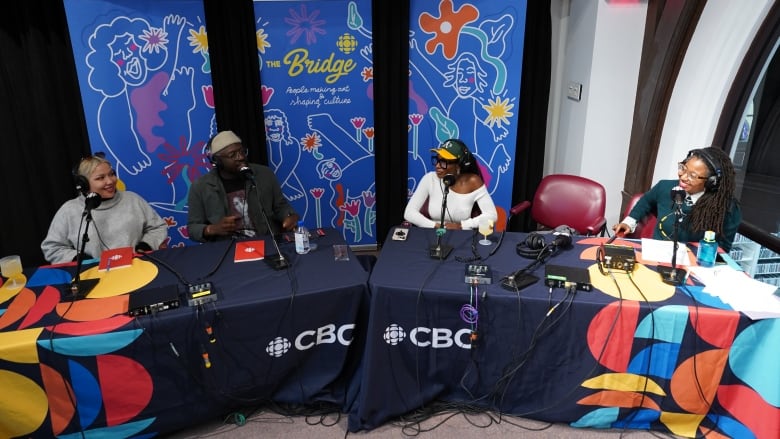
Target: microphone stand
[[673, 275], [79, 288], [277, 261], [441, 251]]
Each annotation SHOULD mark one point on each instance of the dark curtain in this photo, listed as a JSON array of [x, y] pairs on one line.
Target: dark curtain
[[235, 73], [532, 116], [41, 121], [391, 107]]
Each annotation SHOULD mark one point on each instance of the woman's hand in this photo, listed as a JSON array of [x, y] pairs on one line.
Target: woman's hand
[[621, 229]]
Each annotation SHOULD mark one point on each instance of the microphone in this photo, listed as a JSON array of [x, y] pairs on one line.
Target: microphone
[[92, 200], [248, 175], [277, 261], [678, 194], [673, 275], [449, 180], [439, 250]]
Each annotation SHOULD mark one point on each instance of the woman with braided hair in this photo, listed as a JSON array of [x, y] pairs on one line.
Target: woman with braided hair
[[707, 177]]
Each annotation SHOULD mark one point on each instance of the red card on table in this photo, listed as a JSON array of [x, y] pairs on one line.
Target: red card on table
[[116, 258], [249, 251]]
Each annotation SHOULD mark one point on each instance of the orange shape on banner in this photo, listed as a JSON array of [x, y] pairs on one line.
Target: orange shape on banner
[[614, 398], [18, 308], [696, 379], [60, 394], [86, 310]]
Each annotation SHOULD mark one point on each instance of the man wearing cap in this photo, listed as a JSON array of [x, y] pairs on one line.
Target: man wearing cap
[[456, 174], [231, 198]]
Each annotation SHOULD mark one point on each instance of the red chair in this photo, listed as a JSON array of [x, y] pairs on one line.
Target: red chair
[[570, 200], [644, 226]]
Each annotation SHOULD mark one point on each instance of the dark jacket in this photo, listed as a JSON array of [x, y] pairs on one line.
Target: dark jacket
[[658, 199], [208, 202]]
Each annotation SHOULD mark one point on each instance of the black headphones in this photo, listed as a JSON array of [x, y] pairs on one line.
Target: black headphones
[[713, 181], [467, 159], [80, 181], [532, 246], [213, 159]]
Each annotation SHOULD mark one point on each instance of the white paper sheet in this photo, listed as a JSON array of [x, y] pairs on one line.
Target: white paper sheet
[[753, 298], [661, 251]]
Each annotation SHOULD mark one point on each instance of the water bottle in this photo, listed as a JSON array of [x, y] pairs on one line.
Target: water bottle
[[705, 256], [301, 239]]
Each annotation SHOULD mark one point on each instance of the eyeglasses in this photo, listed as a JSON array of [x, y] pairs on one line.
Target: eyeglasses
[[437, 161], [234, 155], [683, 171]]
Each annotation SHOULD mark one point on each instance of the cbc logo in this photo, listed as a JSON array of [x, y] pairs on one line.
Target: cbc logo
[[437, 338], [327, 334]]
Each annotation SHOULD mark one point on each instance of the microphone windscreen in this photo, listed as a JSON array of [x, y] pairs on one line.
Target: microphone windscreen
[[678, 194], [449, 180], [92, 200], [246, 171]]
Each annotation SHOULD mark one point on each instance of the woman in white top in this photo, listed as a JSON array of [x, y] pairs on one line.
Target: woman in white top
[[457, 175]]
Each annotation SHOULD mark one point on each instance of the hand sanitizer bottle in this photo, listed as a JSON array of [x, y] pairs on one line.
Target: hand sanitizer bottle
[[301, 239]]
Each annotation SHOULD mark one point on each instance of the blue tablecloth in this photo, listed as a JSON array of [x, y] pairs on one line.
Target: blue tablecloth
[[285, 336], [645, 356]]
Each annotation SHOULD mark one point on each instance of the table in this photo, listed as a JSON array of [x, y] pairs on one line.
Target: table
[[85, 367], [648, 356]]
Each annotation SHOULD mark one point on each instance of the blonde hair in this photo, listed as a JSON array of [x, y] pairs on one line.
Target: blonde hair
[[88, 165]]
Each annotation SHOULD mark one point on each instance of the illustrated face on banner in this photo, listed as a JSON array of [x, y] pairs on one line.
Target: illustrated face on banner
[[466, 78], [274, 128], [329, 170], [132, 66]]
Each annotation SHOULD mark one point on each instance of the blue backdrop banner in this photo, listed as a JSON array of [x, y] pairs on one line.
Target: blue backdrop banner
[[465, 67], [316, 75], [145, 78]]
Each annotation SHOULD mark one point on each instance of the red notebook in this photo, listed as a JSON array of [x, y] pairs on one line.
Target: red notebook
[[116, 258], [249, 251]]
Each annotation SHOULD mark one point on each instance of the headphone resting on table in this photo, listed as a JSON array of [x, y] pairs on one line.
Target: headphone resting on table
[[532, 246], [713, 181]]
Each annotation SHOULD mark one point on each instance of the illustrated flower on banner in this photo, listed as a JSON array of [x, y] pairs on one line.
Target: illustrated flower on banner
[[311, 142], [193, 159], [352, 207], [266, 93], [198, 40], [262, 40], [367, 74], [170, 221], [304, 24], [369, 133], [446, 28], [184, 232], [208, 95], [358, 122], [415, 118], [317, 193], [155, 39], [369, 217], [498, 112]]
